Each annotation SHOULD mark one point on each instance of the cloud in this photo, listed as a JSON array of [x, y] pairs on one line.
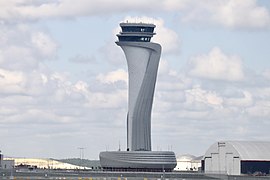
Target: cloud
[[80, 59], [52, 106], [198, 95], [241, 14], [266, 73], [41, 97], [164, 67], [216, 65], [245, 100], [228, 13], [10, 81], [113, 76], [232, 14], [112, 53], [216, 98], [209, 106], [44, 44], [29, 10], [260, 110], [37, 101], [23, 48]]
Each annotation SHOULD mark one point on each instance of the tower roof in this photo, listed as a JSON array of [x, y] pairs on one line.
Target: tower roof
[[245, 150], [137, 24]]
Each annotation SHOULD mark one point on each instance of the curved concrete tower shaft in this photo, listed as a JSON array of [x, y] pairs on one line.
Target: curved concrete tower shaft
[[142, 59]]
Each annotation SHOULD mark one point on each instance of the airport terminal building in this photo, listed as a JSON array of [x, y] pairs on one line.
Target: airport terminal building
[[237, 157]]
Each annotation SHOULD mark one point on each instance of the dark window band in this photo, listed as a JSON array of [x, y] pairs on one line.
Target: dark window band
[[134, 38]]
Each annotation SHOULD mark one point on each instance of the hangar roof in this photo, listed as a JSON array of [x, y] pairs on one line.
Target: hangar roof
[[246, 150], [252, 149]]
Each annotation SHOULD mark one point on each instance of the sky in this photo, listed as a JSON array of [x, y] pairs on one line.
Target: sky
[[63, 80]]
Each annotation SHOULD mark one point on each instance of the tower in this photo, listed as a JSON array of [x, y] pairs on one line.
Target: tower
[[142, 59]]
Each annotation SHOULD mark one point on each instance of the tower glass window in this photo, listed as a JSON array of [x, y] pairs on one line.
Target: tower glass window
[[134, 38], [137, 32], [137, 29]]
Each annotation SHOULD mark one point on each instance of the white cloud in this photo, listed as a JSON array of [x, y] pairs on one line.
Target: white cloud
[[266, 73], [51, 97], [244, 101], [241, 14], [44, 44], [228, 13], [163, 67], [80, 59], [29, 10], [17, 57], [260, 110], [113, 76], [176, 5], [23, 48], [38, 103], [216, 65], [11, 81], [201, 96], [52, 100], [210, 107], [262, 92], [168, 38]]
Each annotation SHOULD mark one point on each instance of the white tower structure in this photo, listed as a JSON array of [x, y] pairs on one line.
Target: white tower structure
[[142, 59]]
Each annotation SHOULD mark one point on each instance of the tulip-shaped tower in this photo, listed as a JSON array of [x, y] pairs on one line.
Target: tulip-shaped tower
[[142, 59]]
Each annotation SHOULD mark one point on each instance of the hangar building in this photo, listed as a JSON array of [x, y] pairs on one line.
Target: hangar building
[[237, 157], [187, 162]]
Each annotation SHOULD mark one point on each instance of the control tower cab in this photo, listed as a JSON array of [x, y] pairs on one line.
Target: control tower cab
[[137, 32]]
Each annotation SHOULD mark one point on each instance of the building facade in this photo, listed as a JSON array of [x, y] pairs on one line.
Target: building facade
[[188, 162]]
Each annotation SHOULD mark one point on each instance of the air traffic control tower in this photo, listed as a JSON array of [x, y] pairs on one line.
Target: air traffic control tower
[[142, 59]]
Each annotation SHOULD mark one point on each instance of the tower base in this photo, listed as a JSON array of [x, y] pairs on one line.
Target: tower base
[[157, 161]]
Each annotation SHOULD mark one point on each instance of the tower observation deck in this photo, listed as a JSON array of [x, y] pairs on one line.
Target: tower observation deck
[[142, 60], [136, 32]]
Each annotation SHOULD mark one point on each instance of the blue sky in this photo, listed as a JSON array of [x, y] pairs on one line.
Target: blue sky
[[64, 81]]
